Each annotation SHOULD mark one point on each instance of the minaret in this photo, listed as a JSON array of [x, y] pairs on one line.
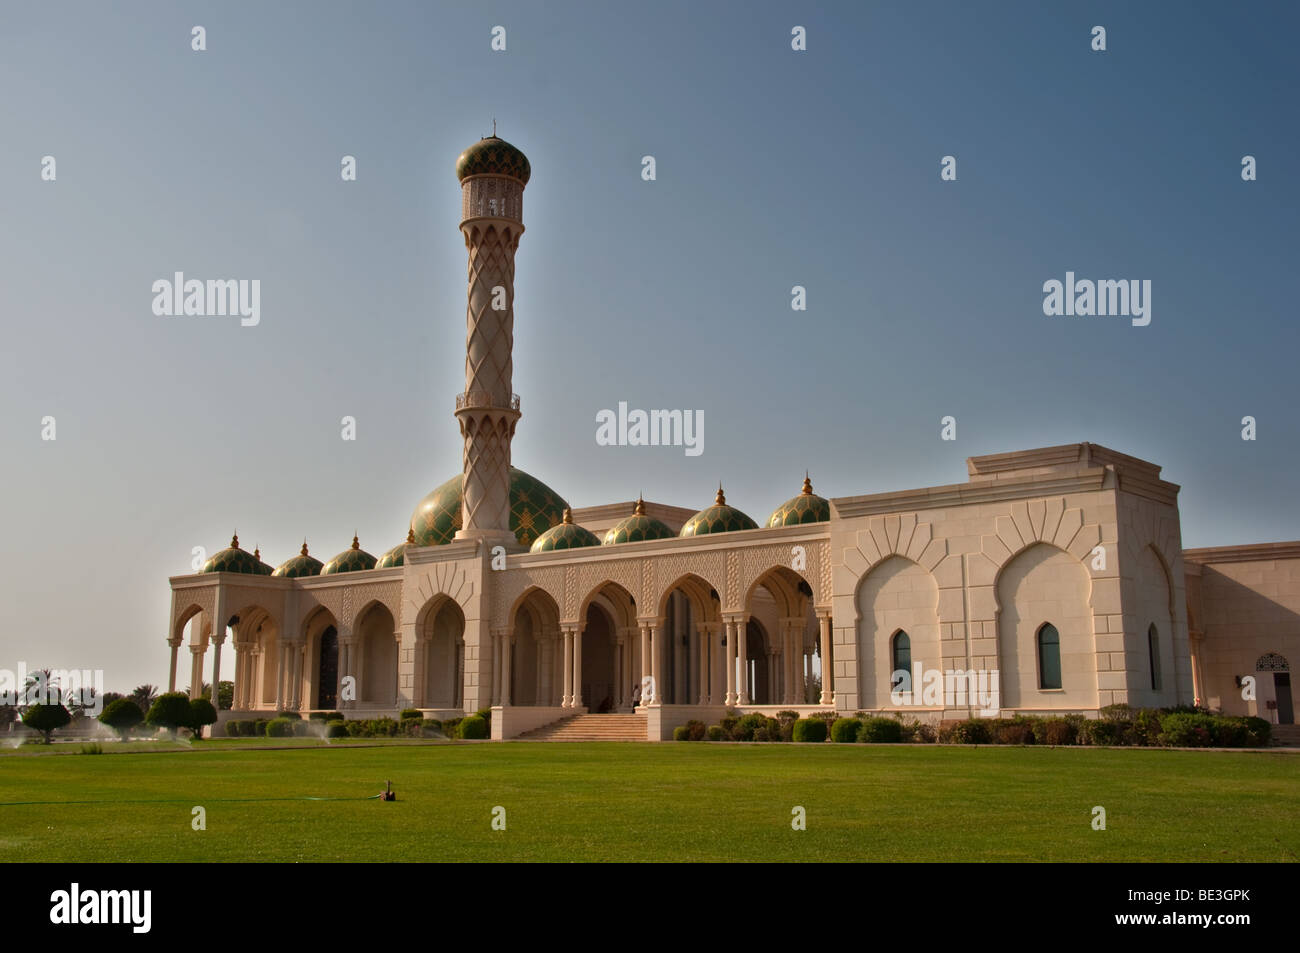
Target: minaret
[[492, 175]]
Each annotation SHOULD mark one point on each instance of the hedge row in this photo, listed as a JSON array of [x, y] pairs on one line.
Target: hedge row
[[788, 726], [1118, 725], [291, 725]]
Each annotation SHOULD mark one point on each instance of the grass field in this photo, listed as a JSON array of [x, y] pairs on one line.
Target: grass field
[[642, 802]]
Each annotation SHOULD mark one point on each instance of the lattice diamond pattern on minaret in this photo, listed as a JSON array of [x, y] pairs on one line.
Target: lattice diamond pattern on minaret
[[489, 345]]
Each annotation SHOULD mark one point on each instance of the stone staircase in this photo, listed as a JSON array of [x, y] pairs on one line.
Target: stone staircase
[[591, 728], [1285, 735]]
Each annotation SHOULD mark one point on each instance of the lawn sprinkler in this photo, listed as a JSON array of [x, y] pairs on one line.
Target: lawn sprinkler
[[388, 794]]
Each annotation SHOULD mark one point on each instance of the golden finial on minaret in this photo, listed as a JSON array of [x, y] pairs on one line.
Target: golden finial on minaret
[[234, 541], [304, 548], [639, 509], [807, 484], [356, 543], [568, 515], [257, 553], [720, 499], [410, 536]]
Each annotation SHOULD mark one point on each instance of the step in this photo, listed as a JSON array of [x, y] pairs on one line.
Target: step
[[591, 728]]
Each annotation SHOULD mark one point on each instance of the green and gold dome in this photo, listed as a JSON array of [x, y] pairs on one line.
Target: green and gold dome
[[568, 535], [637, 528], [397, 555], [234, 559], [718, 518], [807, 507], [493, 156], [534, 508], [354, 559], [303, 564]]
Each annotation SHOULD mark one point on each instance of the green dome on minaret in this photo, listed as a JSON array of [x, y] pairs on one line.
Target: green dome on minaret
[[303, 564], [637, 528], [534, 508], [807, 507], [568, 535], [397, 555], [350, 560], [718, 518], [493, 156], [234, 559]]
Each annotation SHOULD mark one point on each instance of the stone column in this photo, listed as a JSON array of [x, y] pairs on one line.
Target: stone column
[[732, 639], [217, 644], [507, 644], [702, 640], [828, 669], [645, 667], [567, 701], [659, 656], [717, 666], [577, 667], [174, 645], [742, 652]]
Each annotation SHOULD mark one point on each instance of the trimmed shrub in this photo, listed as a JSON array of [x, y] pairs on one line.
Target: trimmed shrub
[[474, 727], [316, 716], [1146, 727], [1258, 731], [845, 730], [258, 728], [810, 729], [695, 730], [451, 727], [122, 715], [236, 729], [1015, 732], [411, 727], [829, 717], [171, 710], [411, 713], [486, 715], [880, 731], [972, 731], [769, 730], [747, 725], [46, 719], [1059, 731], [291, 715], [336, 729], [680, 733], [1187, 730], [202, 714], [728, 726], [279, 728], [1229, 732], [716, 733]]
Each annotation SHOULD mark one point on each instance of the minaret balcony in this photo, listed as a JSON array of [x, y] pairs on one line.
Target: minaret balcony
[[482, 400]]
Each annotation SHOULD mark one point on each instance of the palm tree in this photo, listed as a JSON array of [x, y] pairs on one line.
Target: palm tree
[[144, 696]]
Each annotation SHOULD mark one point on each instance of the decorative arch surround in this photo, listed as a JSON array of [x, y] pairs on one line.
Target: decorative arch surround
[[440, 579], [1045, 584], [745, 567], [1272, 662], [895, 594], [895, 535], [187, 602], [1152, 677], [440, 654]]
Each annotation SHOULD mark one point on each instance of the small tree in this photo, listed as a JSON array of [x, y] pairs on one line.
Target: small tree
[[225, 695], [46, 718], [144, 696], [122, 715], [170, 711], [202, 714]]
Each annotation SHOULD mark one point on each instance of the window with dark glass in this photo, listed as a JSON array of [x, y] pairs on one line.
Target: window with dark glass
[[901, 652], [1049, 657]]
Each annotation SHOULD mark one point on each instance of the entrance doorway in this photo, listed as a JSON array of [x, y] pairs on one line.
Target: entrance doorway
[[1282, 692], [328, 682]]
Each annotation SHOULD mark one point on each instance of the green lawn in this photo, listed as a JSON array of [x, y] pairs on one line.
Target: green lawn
[[718, 802]]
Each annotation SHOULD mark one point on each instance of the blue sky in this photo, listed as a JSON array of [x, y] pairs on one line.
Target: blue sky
[[775, 168]]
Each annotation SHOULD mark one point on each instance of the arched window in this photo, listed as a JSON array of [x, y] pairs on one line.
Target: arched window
[[900, 651], [1153, 651], [1049, 656]]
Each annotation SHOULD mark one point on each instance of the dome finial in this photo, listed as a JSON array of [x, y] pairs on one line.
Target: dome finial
[[639, 509], [257, 553], [234, 540], [410, 536], [720, 499], [568, 515], [494, 127], [807, 484], [304, 547], [356, 543]]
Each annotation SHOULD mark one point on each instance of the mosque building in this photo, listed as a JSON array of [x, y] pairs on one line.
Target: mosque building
[[1053, 577]]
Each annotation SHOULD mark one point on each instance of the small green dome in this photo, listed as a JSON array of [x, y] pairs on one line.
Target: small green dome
[[807, 507], [234, 559], [300, 565], [397, 555], [534, 508], [637, 528], [493, 156], [718, 518], [355, 559], [568, 535]]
